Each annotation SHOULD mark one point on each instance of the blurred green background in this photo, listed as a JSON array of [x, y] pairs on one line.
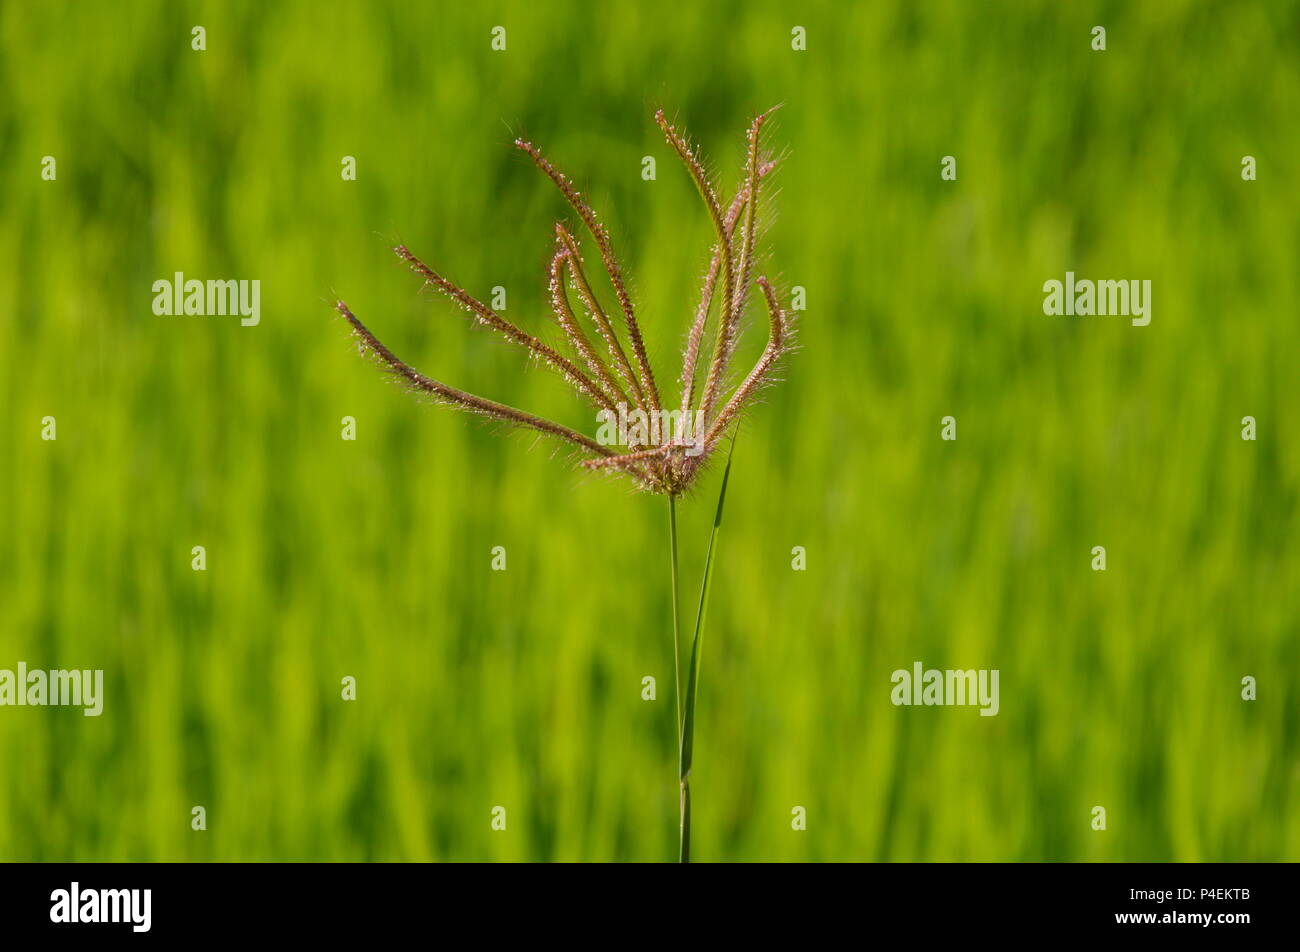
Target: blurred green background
[[522, 688]]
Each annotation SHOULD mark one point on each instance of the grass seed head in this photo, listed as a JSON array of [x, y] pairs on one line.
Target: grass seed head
[[617, 386]]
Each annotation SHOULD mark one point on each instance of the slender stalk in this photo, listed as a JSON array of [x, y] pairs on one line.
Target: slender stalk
[[687, 746], [677, 622]]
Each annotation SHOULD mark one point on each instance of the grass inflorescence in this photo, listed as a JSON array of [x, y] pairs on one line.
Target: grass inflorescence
[[668, 455]]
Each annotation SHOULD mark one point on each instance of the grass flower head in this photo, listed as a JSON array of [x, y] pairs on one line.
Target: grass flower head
[[610, 369]]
